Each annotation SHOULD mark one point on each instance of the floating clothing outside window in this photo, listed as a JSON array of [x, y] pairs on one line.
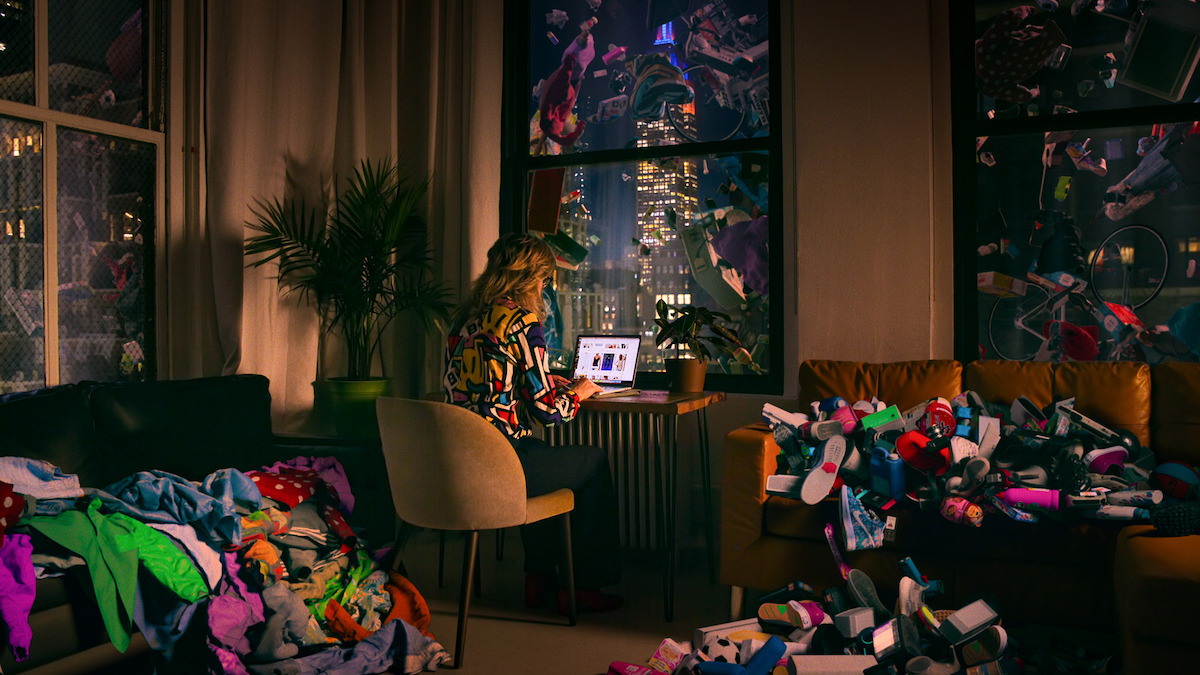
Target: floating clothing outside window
[[1011, 51]]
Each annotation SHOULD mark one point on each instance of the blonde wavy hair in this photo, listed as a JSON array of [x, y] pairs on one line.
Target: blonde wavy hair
[[517, 264]]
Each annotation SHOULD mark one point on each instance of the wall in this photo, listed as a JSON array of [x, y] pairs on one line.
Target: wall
[[866, 165]]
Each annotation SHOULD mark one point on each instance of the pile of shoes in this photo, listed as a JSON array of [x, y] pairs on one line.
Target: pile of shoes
[[967, 459], [846, 629]]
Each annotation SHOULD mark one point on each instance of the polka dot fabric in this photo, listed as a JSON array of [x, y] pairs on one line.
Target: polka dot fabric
[[1012, 51], [11, 506], [289, 486]]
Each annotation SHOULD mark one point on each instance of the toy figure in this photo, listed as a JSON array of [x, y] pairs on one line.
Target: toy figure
[[561, 89]]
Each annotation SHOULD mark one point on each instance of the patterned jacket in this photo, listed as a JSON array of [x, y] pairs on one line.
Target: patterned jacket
[[497, 365]]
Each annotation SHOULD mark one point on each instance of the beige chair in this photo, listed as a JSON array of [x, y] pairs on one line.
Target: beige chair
[[450, 469]]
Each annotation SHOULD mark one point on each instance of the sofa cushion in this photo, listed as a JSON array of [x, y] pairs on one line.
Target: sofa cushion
[[902, 383], [1176, 417], [187, 427], [1158, 585], [1116, 394], [53, 425]]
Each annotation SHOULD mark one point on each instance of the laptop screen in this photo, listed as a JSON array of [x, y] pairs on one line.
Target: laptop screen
[[607, 359]]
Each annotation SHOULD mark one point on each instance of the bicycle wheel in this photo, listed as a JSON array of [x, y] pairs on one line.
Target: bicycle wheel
[[1015, 324], [1129, 266]]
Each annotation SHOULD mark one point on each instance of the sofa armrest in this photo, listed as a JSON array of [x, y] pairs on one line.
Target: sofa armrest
[[749, 456]]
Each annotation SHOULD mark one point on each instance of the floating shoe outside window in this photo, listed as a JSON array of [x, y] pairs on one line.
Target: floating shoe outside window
[[658, 82]]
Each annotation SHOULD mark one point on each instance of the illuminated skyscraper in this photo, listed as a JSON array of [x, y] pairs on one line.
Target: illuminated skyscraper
[[663, 185]]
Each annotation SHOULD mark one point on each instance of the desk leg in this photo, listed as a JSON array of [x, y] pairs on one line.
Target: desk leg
[[666, 439], [706, 476]]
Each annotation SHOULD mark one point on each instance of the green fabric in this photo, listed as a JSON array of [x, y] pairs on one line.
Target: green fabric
[[166, 562], [344, 586], [110, 549], [112, 545]]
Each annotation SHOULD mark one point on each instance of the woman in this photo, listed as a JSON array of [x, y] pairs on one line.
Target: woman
[[497, 365]]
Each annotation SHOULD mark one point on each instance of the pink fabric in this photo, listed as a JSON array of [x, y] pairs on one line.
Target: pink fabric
[[17, 592]]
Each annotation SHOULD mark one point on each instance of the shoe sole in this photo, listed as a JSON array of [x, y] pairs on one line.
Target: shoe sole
[[825, 470]]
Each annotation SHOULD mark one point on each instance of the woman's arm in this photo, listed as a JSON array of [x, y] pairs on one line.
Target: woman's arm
[[547, 403]]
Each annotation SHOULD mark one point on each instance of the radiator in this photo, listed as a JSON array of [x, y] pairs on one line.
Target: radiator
[[637, 461]]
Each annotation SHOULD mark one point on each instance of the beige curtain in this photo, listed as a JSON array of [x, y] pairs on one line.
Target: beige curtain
[[295, 93]]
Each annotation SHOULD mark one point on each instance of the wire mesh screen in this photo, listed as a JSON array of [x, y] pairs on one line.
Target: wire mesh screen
[[22, 317], [105, 224], [16, 51], [97, 60]]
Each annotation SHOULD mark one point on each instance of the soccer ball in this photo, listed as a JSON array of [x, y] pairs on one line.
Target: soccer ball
[[722, 649]]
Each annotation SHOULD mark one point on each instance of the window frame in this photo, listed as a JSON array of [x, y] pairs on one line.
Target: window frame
[[517, 164], [153, 134], [968, 126]]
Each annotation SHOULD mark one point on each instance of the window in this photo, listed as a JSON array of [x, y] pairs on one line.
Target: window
[[1076, 181], [640, 145], [80, 168]]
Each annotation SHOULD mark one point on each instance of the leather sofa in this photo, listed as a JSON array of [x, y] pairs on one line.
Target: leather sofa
[[104, 432], [1054, 572]]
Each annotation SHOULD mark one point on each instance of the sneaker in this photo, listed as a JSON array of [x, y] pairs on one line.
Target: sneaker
[[862, 529], [799, 614], [658, 82], [923, 665], [535, 590], [864, 593], [591, 601], [827, 460], [1177, 520], [989, 646], [912, 597]]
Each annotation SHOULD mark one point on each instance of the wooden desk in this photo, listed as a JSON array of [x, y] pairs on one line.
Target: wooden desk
[[640, 432]]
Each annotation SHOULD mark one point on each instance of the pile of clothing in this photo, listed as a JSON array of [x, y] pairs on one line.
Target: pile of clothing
[[241, 573]]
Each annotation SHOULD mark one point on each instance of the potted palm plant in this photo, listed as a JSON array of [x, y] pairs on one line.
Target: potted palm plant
[[360, 263], [682, 327]]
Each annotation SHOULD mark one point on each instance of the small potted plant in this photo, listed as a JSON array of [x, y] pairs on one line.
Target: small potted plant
[[682, 327], [361, 263]]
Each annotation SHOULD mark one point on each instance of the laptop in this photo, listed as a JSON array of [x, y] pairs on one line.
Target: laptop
[[608, 360]]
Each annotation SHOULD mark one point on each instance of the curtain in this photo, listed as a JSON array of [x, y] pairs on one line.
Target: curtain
[[295, 93]]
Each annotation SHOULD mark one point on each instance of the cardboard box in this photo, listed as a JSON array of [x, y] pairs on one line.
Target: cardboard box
[[734, 630], [842, 664], [999, 285]]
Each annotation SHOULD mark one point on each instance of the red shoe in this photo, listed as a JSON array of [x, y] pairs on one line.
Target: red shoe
[[591, 601], [535, 590]]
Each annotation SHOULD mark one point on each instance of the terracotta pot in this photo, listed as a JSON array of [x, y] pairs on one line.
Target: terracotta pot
[[686, 375]]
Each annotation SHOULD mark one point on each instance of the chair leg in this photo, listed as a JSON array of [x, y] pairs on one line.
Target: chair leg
[[478, 577], [441, 558], [470, 550], [569, 568]]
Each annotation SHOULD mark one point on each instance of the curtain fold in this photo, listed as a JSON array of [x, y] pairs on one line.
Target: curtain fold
[[296, 93]]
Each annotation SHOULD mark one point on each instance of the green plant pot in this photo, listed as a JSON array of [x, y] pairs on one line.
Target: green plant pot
[[351, 404], [685, 375]]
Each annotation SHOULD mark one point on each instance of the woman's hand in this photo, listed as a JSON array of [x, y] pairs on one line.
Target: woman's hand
[[585, 388], [559, 381]]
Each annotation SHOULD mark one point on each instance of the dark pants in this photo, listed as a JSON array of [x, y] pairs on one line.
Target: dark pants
[[595, 538]]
